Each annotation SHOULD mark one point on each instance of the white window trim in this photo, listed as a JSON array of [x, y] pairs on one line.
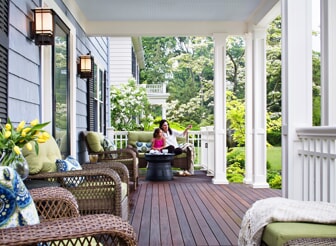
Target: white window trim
[[46, 77]]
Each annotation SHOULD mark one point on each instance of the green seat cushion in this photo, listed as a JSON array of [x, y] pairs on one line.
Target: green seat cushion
[[45, 161], [278, 233], [94, 140], [139, 136]]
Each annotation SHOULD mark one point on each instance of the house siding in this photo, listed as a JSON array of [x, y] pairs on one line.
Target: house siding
[[24, 69], [120, 60]]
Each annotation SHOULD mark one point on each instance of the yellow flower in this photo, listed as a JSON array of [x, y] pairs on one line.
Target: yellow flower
[[34, 122], [17, 150], [20, 126], [26, 130], [7, 134], [8, 127], [45, 135], [41, 140], [12, 141], [29, 146]]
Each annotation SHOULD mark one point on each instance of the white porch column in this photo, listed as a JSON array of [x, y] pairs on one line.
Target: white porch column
[[164, 110], [259, 179], [328, 62], [296, 88], [248, 109], [220, 109]]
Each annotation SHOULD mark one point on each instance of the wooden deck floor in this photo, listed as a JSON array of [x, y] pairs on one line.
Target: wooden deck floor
[[191, 211]]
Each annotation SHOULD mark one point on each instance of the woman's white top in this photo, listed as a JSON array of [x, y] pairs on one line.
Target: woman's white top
[[171, 138]]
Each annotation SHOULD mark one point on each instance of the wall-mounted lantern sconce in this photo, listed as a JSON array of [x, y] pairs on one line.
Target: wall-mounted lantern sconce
[[43, 26], [85, 65]]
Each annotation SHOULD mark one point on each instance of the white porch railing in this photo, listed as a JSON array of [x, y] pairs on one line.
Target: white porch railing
[[155, 88], [316, 170], [120, 139]]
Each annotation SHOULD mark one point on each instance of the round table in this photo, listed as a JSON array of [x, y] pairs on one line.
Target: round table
[[159, 167]]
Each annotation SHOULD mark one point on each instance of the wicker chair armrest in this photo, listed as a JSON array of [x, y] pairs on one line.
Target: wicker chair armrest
[[90, 181], [120, 168], [78, 173], [131, 147], [121, 153], [104, 228], [125, 156], [54, 202]]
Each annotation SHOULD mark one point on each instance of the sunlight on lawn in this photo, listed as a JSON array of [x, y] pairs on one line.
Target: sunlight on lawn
[[274, 157]]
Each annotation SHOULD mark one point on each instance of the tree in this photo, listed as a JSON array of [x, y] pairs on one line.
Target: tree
[[191, 64], [186, 65], [235, 115], [316, 89], [198, 111], [235, 71], [129, 107], [273, 66], [158, 50]]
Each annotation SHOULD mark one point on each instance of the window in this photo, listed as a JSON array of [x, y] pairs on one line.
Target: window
[[61, 98], [97, 100]]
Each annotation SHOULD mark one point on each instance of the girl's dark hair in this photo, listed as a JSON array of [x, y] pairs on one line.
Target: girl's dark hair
[[156, 132], [162, 122]]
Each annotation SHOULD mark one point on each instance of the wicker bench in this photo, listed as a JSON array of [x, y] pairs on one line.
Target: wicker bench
[[183, 161]]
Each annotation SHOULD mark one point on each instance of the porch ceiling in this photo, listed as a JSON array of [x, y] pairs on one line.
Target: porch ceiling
[[171, 17]]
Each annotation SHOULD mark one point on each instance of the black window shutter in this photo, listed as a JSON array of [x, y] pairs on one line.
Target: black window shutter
[[134, 70], [90, 106], [4, 41], [91, 125], [104, 101]]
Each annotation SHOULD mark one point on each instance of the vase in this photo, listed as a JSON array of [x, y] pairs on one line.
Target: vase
[[20, 165], [17, 162]]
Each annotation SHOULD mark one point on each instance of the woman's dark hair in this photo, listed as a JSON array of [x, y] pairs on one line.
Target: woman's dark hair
[[165, 121], [156, 132]]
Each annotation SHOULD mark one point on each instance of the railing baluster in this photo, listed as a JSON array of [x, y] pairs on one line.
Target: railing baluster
[[318, 169]]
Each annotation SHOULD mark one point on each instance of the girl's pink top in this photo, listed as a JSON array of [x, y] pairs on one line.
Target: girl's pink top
[[158, 143]]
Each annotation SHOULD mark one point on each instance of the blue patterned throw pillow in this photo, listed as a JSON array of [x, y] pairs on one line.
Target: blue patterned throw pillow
[[17, 207], [69, 164], [143, 147], [108, 145]]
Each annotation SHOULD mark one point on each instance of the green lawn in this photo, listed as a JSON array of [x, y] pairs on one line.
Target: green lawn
[[274, 157]]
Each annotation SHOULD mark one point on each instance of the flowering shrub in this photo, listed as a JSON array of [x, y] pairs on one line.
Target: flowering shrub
[[129, 103], [13, 139]]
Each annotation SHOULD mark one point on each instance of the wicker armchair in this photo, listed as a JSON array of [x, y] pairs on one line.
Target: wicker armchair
[[61, 224], [54, 203], [97, 190], [126, 156]]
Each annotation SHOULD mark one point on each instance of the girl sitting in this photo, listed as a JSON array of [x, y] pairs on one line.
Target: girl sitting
[[158, 141]]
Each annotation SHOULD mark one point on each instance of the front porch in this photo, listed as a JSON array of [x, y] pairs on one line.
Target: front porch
[[191, 210]]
